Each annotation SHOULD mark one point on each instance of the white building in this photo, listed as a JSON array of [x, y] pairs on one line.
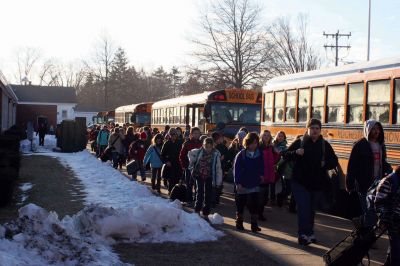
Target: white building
[[88, 114], [8, 105], [48, 104]]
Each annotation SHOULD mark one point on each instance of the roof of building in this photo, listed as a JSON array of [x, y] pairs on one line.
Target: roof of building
[[44, 94]]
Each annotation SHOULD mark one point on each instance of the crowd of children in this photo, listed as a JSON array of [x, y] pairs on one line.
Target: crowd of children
[[258, 164]]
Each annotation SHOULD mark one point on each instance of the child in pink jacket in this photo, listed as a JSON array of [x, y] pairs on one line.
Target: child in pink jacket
[[267, 187]]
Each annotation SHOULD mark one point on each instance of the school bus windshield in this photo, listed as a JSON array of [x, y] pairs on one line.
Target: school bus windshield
[[142, 118], [232, 113]]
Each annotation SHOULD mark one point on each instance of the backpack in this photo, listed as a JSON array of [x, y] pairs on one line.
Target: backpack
[[179, 192], [371, 193], [106, 155], [352, 249]]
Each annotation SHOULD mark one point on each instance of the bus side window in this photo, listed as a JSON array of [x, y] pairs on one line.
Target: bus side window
[[279, 103], [397, 100], [183, 121], [268, 107], [290, 105], [356, 101], [335, 104], [304, 96], [317, 110], [378, 100]]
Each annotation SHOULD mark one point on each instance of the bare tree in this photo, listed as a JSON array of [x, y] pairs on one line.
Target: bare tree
[[55, 73], [291, 48], [102, 61], [44, 71], [27, 59], [234, 42]]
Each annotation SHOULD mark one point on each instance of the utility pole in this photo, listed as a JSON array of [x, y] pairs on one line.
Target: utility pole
[[369, 29], [337, 35]]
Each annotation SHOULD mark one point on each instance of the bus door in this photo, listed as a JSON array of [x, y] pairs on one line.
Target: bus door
[[193, 115]]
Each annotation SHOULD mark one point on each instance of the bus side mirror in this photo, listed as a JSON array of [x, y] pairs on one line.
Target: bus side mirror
[[133, 118]]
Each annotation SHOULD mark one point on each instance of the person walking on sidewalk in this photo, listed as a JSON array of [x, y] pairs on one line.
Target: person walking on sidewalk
[[313, 156], [137, 150], [116, 143], [267, 187], [192, 143], [367, 164], [387, 206], [102, 140], [170, 156], [248, 170], [153, 156], [42, 133], [223, 150], [205, 165]]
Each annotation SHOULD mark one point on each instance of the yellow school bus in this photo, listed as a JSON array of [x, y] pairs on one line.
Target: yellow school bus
[[342, 98], [137, 115], [227, 110]]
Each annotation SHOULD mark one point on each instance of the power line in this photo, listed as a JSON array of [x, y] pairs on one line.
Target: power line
[[336, 35]]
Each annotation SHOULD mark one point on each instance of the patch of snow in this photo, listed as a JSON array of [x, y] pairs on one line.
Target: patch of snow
[[216, 218], [50, 142], [25, 186]]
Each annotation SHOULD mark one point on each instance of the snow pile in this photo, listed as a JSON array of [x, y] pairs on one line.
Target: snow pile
[[216, 218], [50, 142], [25, 187], [140, 215], [38, 237], [146, 223]]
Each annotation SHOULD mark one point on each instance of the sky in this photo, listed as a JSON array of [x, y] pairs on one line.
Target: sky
[[158, 32]]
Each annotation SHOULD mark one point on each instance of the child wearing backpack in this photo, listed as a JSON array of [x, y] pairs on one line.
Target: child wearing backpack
[[248, 170], [387, 206], [153, 156], [205, 165]]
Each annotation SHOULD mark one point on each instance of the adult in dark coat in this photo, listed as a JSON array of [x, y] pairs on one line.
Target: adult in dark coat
[[170, 156], [129, 138], [309, 176], [367, 163], [42, 130]]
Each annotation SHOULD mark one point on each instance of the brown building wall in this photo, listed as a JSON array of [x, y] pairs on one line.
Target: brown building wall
[[30, 112]]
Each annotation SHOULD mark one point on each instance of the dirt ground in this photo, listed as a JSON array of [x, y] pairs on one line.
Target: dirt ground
[[56, 188]]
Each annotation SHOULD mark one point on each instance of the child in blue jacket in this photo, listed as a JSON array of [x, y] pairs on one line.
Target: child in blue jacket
[[153, 156], [248, 173]]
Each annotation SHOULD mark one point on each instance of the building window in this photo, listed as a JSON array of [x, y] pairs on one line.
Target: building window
[[64, 114], [356, 103], [304, 97], [290, 105], [317, 103], [268, 106], [279, 103], [397, 100], [335, 103], [378, 100]]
